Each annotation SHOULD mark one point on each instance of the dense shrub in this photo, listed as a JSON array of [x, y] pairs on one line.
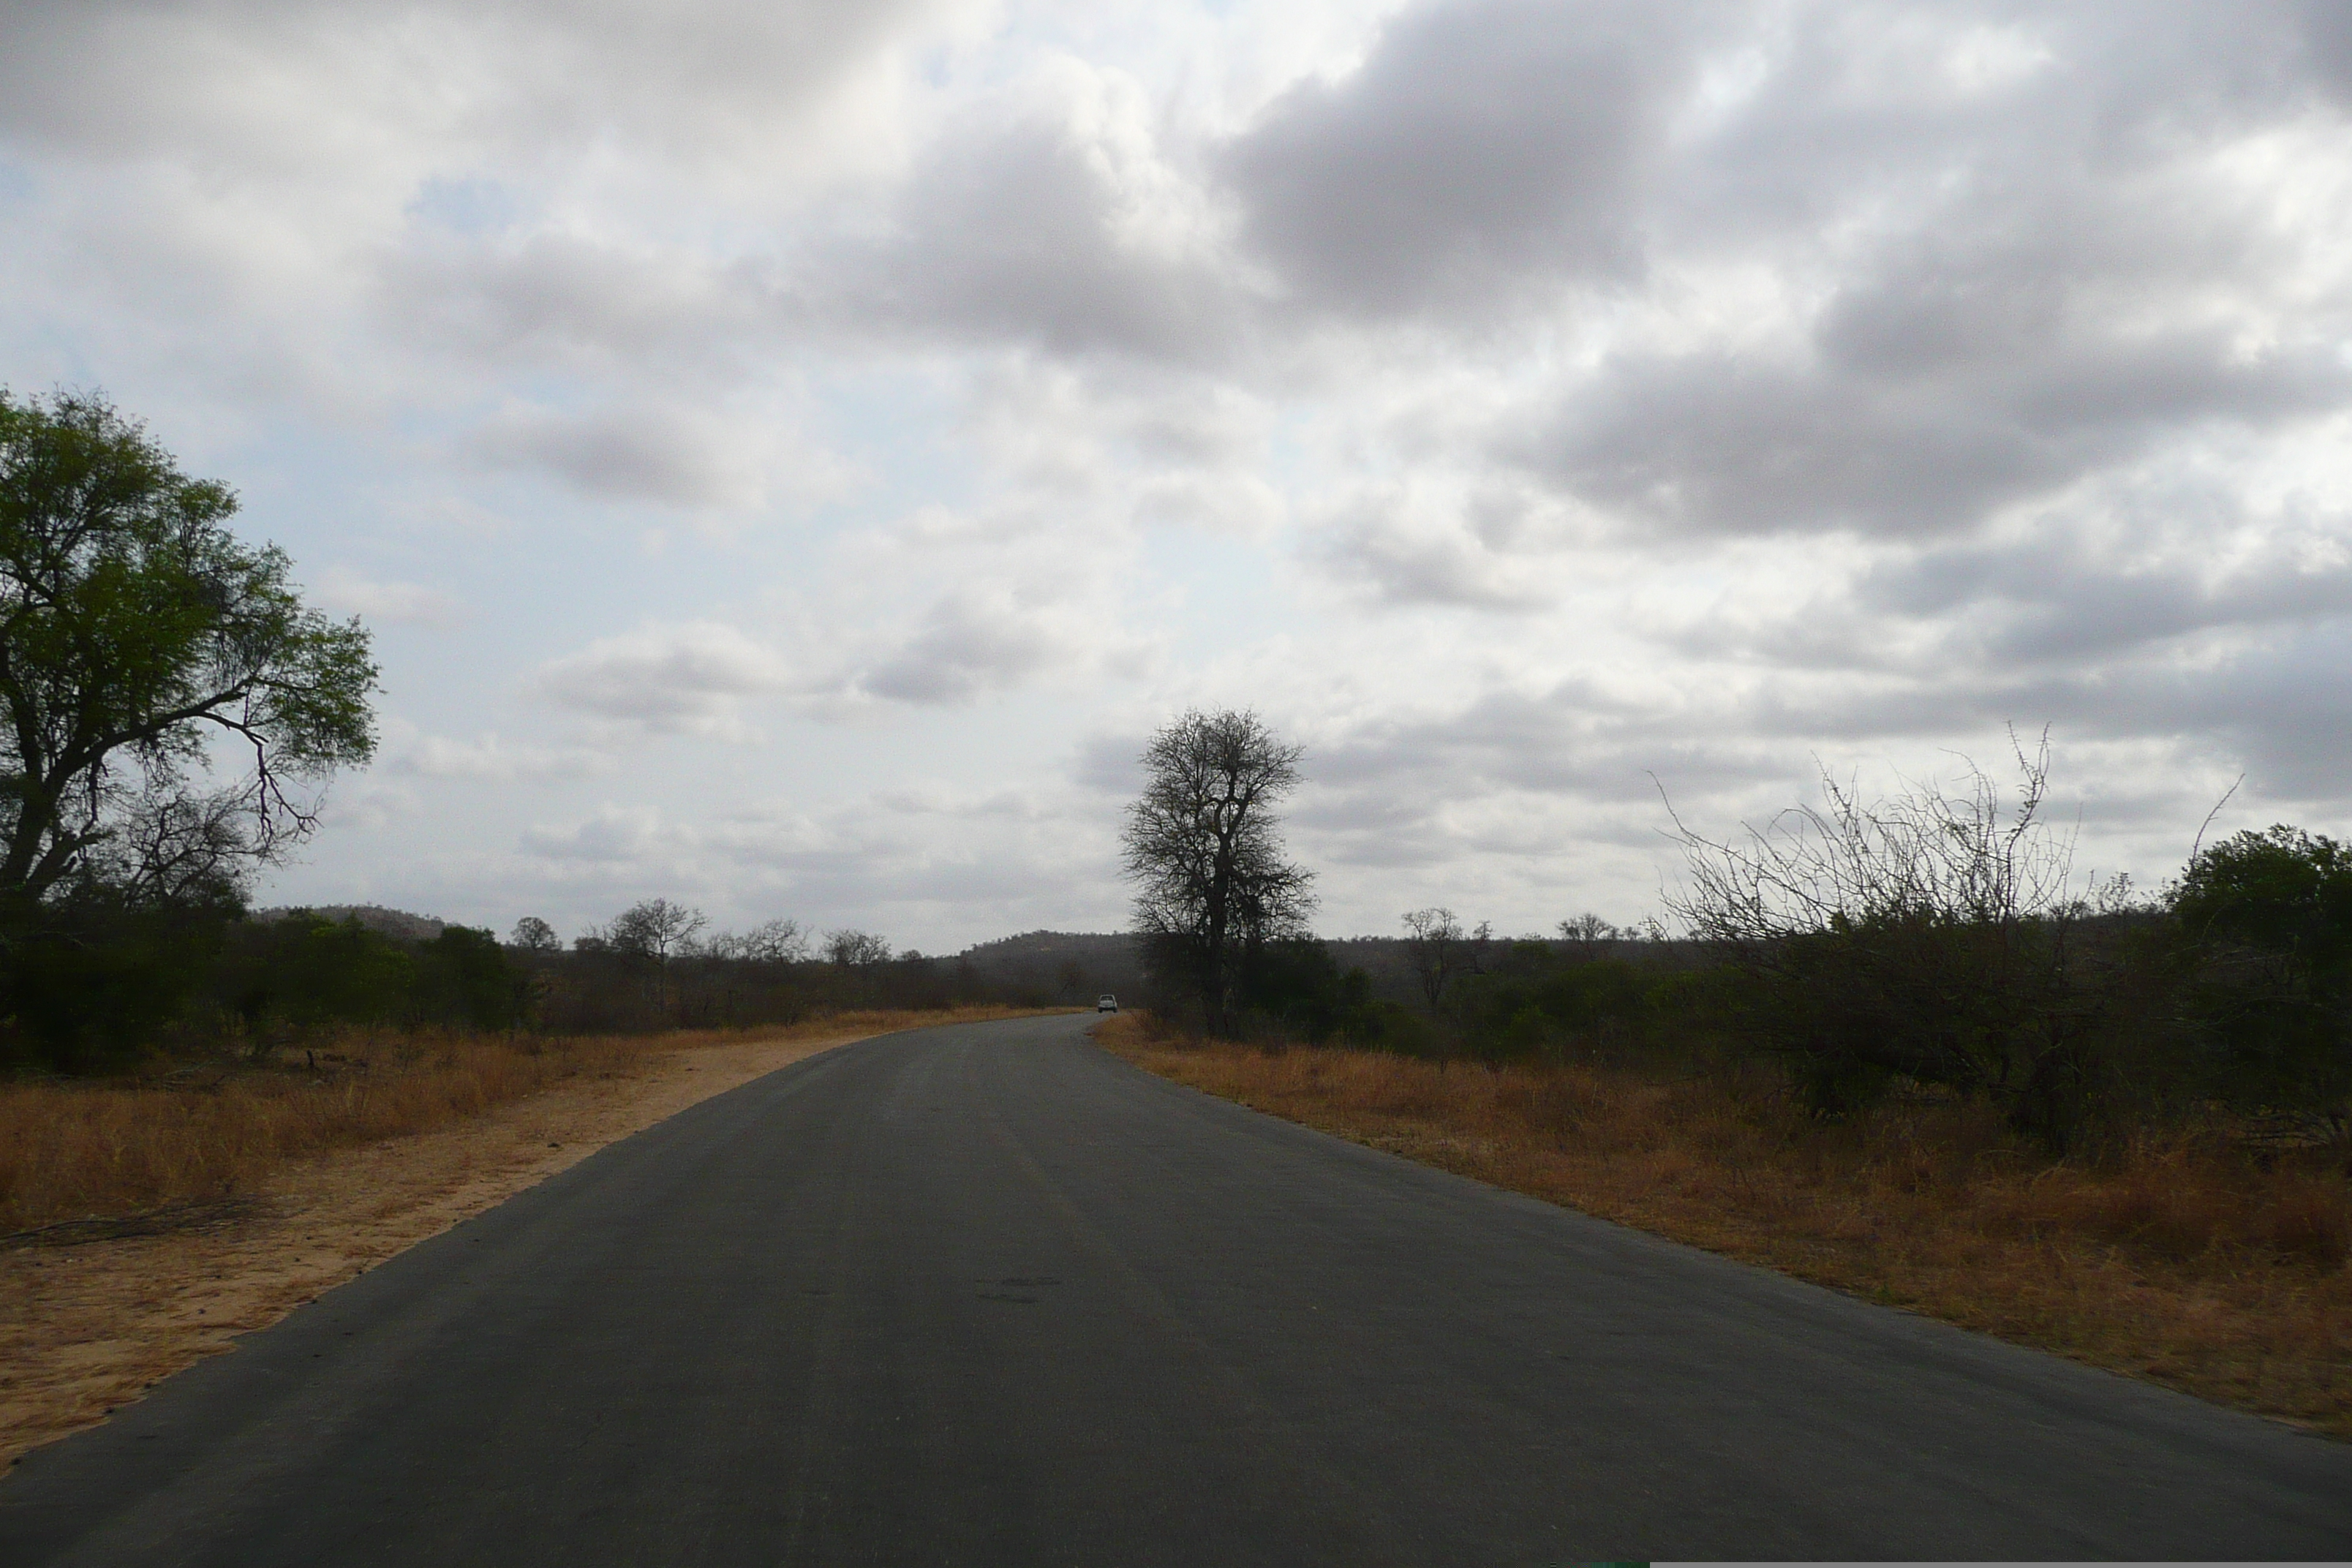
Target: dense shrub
[[1295, 989], [1543, 998], [84, 983], [2264, 924], [303, 973]]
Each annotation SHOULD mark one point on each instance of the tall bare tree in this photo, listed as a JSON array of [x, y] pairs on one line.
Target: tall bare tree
[[779, 941], [1203, 849], [850, 948], [654, 930], [1587, 932], [1433, 939]]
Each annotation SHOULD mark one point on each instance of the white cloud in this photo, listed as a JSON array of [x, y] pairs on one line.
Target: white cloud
[[614, 833], [1474, 553], [347, 592], [491, 760], [688, 679]]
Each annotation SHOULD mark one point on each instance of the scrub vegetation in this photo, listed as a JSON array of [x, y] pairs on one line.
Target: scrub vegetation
[[1902, 1048], [1934, 944]]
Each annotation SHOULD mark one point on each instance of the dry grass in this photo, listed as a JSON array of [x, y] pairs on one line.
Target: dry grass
[[183, 1139], [2178, 1260]]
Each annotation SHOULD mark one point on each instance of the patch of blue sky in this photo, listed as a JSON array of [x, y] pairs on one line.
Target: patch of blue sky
[[472, 207]]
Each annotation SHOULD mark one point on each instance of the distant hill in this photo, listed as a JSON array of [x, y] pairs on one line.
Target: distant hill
[[1069, 966], [397, 925], [1054, 944]]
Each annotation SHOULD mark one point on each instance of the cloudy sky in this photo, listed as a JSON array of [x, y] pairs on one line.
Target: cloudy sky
[[791, 452]]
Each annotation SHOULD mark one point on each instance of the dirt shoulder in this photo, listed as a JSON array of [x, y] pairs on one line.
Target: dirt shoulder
[[87, 1328]]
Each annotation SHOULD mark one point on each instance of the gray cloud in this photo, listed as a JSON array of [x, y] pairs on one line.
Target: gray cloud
[[120, 76], [966, 645], [613, 834], [1574, 739], [2051, 600], [629, 454], [1481, 143], [564, 302], [668, 680], [1403, 560], [1017, 227], [1717, 442]]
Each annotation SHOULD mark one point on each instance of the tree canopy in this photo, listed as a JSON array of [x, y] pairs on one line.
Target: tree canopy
[[168, 694]]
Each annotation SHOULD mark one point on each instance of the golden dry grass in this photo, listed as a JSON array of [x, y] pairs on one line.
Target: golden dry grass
[[2178, 1258], [72, 1149]]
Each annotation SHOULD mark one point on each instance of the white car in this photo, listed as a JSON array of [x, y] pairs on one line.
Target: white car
[[1106, 1002]]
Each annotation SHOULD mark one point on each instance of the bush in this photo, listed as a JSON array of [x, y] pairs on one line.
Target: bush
[[1933, 937], [84, 984], [1297, 988], [303, 973], [1539, 1000], [464, 976], [2264, 920]]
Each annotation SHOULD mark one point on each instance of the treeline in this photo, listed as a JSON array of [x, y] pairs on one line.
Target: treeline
[[657, 965], [1929, 944], [93, 986]]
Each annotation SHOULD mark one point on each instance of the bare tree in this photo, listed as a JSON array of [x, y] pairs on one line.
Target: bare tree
[[1923, 936], [1925, 853], [775, 941], [654, 931], [1204, 850], [1587, 932], [1433, 939], [853, 949]]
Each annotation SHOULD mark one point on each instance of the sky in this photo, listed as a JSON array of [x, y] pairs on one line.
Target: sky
[[791, 456]]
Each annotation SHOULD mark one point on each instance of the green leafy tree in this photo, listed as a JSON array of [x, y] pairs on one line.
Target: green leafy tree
[[532, 934], [464, 976], [2269, 920], [1204, 851], [304, 973], [137, 635]]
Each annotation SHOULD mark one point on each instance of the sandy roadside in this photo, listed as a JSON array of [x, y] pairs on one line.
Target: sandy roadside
[[87, 1328]]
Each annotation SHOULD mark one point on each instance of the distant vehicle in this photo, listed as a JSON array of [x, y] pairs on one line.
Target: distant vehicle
[[1106, 1002]]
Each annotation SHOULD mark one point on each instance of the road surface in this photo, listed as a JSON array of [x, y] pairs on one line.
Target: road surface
[[985, 1295]]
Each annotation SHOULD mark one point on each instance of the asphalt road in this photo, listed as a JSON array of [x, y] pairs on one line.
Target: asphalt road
[[983, 1295]]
